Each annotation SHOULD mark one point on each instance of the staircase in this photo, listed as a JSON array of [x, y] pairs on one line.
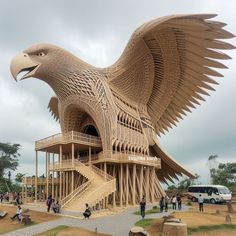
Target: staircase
[[98, 186]]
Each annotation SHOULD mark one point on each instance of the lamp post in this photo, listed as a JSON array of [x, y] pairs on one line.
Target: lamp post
[[9, 176]]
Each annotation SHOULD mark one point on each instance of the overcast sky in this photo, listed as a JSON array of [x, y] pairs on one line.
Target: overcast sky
[[97, 32]]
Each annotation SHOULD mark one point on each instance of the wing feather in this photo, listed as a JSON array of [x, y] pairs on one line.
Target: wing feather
[[168, 63], [53, 108]]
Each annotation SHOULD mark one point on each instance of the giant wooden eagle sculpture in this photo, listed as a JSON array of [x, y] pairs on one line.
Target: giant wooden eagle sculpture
[[164, 71]]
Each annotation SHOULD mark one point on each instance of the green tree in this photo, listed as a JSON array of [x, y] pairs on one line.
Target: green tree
[[19, 177], [9, 154], [8, 157], [225, 175]]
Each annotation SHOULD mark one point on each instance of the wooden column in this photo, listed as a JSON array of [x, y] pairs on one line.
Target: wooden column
[[22, 191], [121, 184], [67, 182], [90, 158], [114, 194], [53, 194], [73, 161], [141, 183], [26, 192], [147, 184], [134, 184], [57, 191], [60, 159], [127, 184], [36, 177], [152, 184], [47, 175]]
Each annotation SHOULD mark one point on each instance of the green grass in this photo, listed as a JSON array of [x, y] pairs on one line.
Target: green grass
[[207, 228], [54, 231], [154, 210], [144, 223]]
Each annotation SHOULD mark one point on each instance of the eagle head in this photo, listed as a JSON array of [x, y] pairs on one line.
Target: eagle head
[[40, 61]]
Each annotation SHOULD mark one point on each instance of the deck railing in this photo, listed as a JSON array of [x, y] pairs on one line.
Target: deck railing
[[68, 137], [40, 180]]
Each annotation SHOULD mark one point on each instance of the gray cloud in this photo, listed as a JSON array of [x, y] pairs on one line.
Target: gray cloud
[[97, 32]]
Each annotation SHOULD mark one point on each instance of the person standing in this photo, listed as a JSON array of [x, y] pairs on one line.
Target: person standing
[[179, 200], [200, 202], [162, 204], [166, 203], [174, 200], [142, 207], [1, 197], [49, 203]]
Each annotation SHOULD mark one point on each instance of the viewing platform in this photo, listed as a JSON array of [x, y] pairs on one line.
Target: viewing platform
[[81, 139]]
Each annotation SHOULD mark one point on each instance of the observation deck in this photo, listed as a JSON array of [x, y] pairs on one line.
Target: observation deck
[[81, 139]]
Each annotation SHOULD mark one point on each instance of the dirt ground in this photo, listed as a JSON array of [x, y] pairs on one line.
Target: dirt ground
[[225, 232], [194, 218], [72, 231], [6, 224]]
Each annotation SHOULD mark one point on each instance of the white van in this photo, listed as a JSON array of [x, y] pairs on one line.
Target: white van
[[210, 193]]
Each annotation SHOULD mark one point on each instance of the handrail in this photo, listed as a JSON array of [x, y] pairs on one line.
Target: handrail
[[68, 137], [76, 192], [101, 190], [97, 171], [102, 173]]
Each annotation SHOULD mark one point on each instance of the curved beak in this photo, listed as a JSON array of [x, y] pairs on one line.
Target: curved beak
[[22, 62]]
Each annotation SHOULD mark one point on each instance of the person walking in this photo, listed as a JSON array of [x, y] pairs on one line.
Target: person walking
[[200, 202], [174, 200], [18, 214], [142, 207], [49, 203], [162, 204], [179, 201]]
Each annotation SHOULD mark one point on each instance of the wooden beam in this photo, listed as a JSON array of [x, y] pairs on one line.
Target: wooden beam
[[36, 177], [141, 183], [53, 187], [127, 184], [60, 159], [121, 184], [134, 184]]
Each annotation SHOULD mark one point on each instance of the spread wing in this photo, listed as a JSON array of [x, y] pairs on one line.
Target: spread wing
[[167, 66], [53, 108]]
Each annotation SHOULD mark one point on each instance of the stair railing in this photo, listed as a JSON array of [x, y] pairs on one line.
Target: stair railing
[[82, 188]]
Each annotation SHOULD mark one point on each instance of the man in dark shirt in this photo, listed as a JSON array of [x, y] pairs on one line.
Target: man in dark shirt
[[142, 207]]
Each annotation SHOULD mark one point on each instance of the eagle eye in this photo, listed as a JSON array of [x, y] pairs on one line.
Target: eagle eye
[[41, 54]]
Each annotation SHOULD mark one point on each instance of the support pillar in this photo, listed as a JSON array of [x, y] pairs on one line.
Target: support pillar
[[127, 184], [90, 158], [114, 194], [147, 184], [53, 194], [134, 184], [152, 184], [141, 183], [36, 177], [60, 158], [121, 184], [47, 172], [73, 163]]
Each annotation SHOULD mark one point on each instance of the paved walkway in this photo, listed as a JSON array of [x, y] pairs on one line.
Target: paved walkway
[[117, 225]]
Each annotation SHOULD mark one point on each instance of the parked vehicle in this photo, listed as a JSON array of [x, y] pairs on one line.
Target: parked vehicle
[[210, 193]]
